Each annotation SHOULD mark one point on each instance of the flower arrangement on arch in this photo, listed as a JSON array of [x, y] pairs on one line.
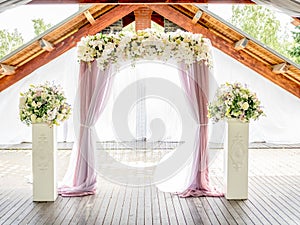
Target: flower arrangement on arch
[[180, 46], [44, 103], [234, 101]]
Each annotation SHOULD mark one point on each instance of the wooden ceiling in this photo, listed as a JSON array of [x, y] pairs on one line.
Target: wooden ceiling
[[140, 1], [223, 36]]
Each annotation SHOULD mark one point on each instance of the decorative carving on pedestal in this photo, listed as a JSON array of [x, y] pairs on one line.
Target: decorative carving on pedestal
[[238, 153]]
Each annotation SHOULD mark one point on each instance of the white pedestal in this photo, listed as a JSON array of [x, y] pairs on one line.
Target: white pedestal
[[44, 162], [236, 160]]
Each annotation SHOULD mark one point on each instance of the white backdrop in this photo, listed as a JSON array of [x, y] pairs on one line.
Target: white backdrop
[[281, 125]]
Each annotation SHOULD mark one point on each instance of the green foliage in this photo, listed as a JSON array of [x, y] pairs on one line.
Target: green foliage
[[262, 24], [9, 41], [40, 26], [295, 51]]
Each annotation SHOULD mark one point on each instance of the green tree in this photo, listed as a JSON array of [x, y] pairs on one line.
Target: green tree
[[40, 26], [262, 24], [295, 51], [9, 41]]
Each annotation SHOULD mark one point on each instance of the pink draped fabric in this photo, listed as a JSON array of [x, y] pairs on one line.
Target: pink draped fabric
[[196, 86], [93, 92]]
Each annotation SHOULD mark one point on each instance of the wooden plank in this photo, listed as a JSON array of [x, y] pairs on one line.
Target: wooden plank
[[8, 215], [277, 202], [239, 214], [58, 206], [225, 212], [11, 203], [181, 219], [126, 206], [133, 206], [203, 212], [263, 207], [163, 208], [119, 206], [104, 207], [218, 213], [156, 215], [105, 20], [189, 219], [98, 201], [265, 70], [140, 217], [193, 210], [110, 212], [148, 206], [82, 209], [170, 207]]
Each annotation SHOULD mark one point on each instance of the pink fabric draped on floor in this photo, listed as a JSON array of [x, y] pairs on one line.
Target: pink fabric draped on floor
[[93, 93], [195, 82]]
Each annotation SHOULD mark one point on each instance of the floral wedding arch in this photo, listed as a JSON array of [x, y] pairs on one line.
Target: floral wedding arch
[[101, 56]]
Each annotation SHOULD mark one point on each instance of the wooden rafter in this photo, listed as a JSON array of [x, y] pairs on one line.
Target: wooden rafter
[[105, 20], [139, 1], [89, 17], [265, 70]]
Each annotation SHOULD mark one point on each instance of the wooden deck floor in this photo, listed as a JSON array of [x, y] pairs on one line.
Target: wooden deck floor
[[274, 196]]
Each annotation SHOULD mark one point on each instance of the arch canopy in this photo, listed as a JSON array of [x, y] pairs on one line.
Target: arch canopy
[[179, 47]]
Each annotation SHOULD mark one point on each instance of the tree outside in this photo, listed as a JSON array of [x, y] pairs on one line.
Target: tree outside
[[40, 26], [262, 24], [295, 51], [9, 41]]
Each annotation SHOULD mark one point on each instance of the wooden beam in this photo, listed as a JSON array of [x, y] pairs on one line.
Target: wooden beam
[[265, 70], [296, 21], [241, 44], [158, 19], [280, 68], [105, 20], [46, 45], [89, 17], [140, 1], [197, 16], [6, 70]]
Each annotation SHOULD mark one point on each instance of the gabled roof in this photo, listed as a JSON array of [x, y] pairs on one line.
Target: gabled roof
[[193, 18]]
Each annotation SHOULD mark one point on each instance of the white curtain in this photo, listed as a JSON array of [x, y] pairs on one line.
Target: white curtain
[[281, 125]]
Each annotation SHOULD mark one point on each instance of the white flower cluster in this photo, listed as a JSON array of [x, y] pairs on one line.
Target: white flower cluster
[[235, 101], [183, 47], [44, 104]]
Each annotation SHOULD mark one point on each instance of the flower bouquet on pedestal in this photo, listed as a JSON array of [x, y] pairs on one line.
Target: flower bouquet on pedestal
[[44, 106], [237, 105]]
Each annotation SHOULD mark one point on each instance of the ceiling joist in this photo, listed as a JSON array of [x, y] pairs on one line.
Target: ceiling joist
[[241, 44], [197, 17], [280, 68], [46, 45], [6, 70], [89, 17]]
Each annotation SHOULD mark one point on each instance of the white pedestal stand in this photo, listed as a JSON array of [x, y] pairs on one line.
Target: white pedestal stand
[[236, 160], [44, 162]]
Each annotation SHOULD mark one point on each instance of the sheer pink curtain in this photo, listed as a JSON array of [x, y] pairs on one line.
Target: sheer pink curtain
[[195, 82], [93, 92]]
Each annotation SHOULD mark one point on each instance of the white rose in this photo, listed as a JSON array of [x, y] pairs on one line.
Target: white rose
[[245, 106], [33, 118], [60, 116]]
